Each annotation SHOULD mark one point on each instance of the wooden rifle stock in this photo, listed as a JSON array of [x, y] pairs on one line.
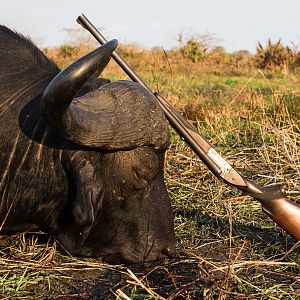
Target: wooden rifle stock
[[273, 199]]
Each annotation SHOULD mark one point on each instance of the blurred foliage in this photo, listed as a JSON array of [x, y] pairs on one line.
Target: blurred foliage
[[276, 56]]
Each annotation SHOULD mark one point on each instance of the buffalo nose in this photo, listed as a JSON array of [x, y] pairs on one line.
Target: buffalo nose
[[168, 251]]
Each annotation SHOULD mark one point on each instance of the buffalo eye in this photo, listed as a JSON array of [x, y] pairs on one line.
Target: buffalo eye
[[140, 177]]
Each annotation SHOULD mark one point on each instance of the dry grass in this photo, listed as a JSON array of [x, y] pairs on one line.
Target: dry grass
[[227, 248]]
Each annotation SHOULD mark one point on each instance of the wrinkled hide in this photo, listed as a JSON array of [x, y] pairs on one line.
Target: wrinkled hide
[[81, 158]]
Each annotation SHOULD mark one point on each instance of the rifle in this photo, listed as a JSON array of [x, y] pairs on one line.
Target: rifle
[[272, 198]]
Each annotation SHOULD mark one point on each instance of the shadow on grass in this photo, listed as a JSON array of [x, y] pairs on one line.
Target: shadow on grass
[[174, 277], [169, 279], [263, 236]]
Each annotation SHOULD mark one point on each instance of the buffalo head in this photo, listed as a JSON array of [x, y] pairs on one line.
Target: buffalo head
[[117, 202]]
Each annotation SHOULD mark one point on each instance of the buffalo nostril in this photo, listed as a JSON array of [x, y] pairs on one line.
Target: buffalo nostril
[[167, 252]]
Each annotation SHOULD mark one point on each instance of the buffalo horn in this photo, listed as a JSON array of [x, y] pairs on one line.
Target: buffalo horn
[[57, 98], [120, 115]]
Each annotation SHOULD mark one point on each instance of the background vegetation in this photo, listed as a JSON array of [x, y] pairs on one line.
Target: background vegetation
[[248, 106]]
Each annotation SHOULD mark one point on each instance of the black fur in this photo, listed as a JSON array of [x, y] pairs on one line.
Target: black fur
[[96, 203]]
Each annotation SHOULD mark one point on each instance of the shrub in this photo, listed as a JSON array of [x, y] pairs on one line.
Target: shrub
[[66, 50], [274, 56], [194, 50]]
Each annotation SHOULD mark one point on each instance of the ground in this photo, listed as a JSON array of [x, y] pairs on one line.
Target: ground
[[227, 248]]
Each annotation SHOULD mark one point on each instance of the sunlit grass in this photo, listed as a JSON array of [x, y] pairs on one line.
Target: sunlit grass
[[227, 247]]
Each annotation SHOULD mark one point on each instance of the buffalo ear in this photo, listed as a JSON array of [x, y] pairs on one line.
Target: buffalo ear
[[83, 213], [88, 197], [86, 193]]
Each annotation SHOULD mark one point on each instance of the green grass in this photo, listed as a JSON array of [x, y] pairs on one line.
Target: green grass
[[227, 247]]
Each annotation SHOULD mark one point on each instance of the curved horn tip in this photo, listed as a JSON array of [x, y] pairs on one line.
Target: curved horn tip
[[61, 91], [112, 44]]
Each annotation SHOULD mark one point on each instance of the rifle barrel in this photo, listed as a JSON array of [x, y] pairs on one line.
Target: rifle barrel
[[85, 23], [273, 199]]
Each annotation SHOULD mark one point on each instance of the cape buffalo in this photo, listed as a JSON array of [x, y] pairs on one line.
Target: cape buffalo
[[81, 157]]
